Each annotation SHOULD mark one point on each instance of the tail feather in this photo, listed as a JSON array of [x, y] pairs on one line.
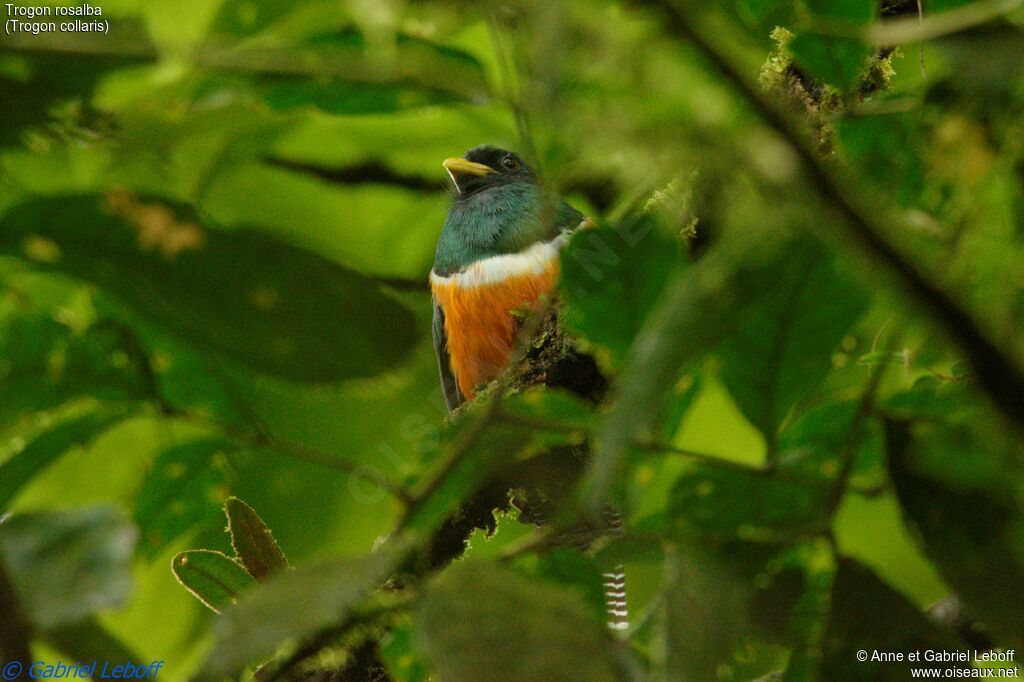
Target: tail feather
[[615, 580], [581, 537], [615, 598]]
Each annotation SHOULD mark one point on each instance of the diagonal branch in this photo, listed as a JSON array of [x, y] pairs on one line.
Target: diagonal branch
[[998, 371]]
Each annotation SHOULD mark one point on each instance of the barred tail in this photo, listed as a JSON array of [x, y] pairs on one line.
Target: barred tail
[[615, 580], [615, 598], [581, 537]]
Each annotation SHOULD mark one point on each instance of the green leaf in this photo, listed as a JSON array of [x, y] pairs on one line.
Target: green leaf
[[577, 571], [252, 541], [499, 445], [793, 498], [835, 60], [693, 313], [958, 489], [782, 347], [859, 598], [359, 78], [47, 447], [242, 293], [88, 640], [34, 82], [728, 502], [481, 621], [611, 278], [180, 491], [986, 63], [340, 71], [211, 577], [859, 11], [48, 364], [888, 149], [403, 661], [815, 444], [704, 615], [66, 565], [295, 605]]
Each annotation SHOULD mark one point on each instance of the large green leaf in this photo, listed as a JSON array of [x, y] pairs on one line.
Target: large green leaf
[[47, 363], [87, 640], [835, 60], [782, 347], [344, 72], [726, 502], [611, 278], [46, 447], [66, 565], [795, 497], [480, 621], [295, 605], [693, 314], [273, 306], [181, 491], [868, 615], [958, 479], [34, 82], [704, 615]]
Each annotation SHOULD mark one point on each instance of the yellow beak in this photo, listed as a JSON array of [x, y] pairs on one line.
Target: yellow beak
[[458, 166]]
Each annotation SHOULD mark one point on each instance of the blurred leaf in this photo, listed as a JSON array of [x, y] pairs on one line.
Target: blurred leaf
[[577, 571], [46, 447], [704, 616], [403, 661], [66, 565], [46, 364], [87, 640], [343, 72], [888, 148], [241, 293], [611, 278], [295, 605], [554, 404], [498, 445], [678, 402], [858, 599], [252, 541], [180, 491], [986, 63], [835, 60], [211, 577], [480, 621], [859, 11], [782, 347], [966, 510], [724, 502], [816, 443], [34, 82], [693, 313]]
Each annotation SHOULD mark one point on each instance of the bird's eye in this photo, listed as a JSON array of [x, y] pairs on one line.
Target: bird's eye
[[510, 163]]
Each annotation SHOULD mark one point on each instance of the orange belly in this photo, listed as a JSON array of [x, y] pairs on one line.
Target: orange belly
[[480, 325]]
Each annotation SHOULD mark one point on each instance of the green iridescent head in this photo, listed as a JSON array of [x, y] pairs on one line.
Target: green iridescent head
[[495, 210]]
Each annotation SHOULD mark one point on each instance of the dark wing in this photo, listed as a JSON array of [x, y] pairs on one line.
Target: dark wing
[[567, 218], [449, 387]]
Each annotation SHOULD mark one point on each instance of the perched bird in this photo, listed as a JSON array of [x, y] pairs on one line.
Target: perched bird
[[497, 254]]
